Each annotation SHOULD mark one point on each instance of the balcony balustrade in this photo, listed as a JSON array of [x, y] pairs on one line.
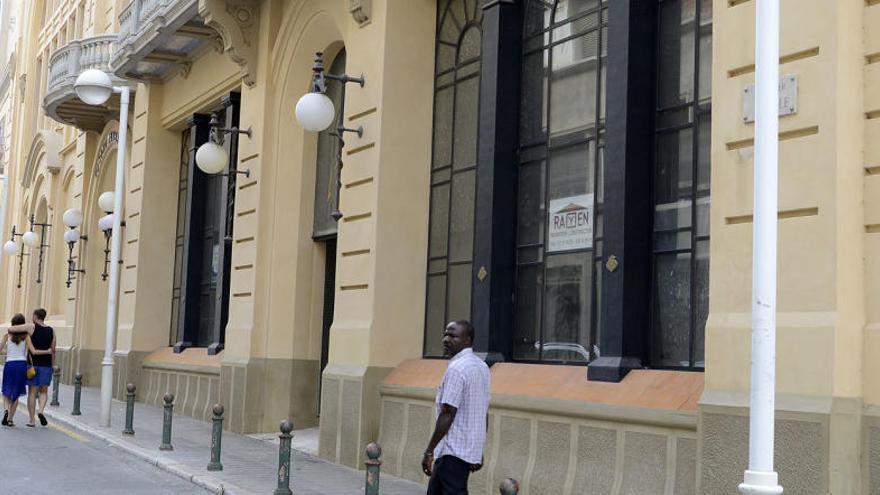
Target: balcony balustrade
[[65, 64]]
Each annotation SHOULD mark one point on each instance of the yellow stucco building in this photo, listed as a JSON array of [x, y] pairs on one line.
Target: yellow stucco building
[[574, 176]]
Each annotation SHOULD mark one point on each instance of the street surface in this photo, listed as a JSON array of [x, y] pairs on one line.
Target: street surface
[[57, 459]]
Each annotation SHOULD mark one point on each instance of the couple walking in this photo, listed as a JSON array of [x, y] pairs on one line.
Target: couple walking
[[30, 356]]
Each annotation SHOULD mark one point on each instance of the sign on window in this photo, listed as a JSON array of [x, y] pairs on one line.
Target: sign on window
[[570, 223]]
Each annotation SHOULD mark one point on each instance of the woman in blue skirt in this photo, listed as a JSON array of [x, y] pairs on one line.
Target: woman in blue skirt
[[16, 343]]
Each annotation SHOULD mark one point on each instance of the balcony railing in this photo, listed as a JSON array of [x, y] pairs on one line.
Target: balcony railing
[[169, 27], [60, 100]]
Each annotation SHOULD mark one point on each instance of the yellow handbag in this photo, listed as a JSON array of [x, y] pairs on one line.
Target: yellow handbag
[[31, 372]]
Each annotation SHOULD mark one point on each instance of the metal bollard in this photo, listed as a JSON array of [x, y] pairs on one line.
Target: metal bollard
[[374, 452], [509, 487], [166, 422], [216, 438], [77, 394], [284, 459], [56, 377], [129, 409]]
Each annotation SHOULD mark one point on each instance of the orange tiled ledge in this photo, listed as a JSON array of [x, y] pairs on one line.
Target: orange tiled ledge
[[652, 389]]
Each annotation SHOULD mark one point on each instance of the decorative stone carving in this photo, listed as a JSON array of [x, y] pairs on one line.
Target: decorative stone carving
[[361, 11], [45, 149], [238, 23]]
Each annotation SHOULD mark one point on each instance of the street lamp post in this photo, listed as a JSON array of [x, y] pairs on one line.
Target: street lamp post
[[95, 87], [760, 478]]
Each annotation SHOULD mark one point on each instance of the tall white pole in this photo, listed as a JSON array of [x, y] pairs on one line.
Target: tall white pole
[[115, 248], [760, 477]]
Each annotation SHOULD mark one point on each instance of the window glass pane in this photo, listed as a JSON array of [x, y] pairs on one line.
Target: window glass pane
[[528, 310], [461, 231], [435, 316], [470, 45], [459, 292], [530, 204], [702, 302], [568, 9], [705, 82], [676, 68], [674, 169], [533, 104], [443, 127], [704, 143], [466, 106], [567, 301], [439, 220], [672, 310], [571, 172], [573, 85]]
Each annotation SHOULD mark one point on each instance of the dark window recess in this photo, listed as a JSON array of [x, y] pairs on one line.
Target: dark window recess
[[326, 172], [203, 244], [680, 289], [453, 167], [559, 201]]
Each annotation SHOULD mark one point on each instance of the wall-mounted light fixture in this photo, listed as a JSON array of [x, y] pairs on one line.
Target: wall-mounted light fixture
[[72, 219], [33, 240], [11, 247], [211, 157], [315, 112], [106, 202]]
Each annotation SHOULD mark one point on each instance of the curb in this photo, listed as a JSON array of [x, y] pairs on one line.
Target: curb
[[202, 480]]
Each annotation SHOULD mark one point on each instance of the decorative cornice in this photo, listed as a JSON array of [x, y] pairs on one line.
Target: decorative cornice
[[361, 11], [238, 23]]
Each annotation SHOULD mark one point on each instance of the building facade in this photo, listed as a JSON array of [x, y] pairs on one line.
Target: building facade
[[574, 176]]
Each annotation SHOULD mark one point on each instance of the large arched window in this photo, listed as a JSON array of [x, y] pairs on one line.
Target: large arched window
[[453, 167], [681, 183], [559, 201]]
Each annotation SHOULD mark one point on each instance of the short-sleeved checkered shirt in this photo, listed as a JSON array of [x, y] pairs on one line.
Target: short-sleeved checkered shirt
[[465, 387]]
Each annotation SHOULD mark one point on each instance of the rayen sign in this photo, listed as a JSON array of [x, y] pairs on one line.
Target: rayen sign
[[571, 223]]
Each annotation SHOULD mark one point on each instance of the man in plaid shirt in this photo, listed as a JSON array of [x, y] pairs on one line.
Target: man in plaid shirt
[[456, 447]]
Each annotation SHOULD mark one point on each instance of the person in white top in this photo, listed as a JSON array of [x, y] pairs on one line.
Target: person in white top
[[16, 344], [462, 405]]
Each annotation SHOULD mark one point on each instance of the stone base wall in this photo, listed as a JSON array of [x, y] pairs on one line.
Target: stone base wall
[[194, 392], [554, 447], [350, 406], [822, 445]]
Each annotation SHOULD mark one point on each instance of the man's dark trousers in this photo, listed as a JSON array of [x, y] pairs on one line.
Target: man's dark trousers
[[450, 476]]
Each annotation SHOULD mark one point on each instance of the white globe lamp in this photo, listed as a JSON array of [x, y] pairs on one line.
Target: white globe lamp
[[315, 112], [72, 218], [71, 236], [106, 201], [211, 158], [10, 248], [30, 239], [93, 87], [105, 223]]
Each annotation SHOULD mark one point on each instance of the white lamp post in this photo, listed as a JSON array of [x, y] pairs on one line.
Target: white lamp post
[[760, 478], [211, 157], [95, 87]]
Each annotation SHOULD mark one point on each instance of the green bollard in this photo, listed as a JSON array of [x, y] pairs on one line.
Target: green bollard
[[56, 377], [284, 459], [77, 394], [129, 409], [374, 452], [166, 422], [216, 438], [509, 487]]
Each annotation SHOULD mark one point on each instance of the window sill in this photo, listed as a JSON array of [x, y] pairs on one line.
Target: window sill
[[192, 360]]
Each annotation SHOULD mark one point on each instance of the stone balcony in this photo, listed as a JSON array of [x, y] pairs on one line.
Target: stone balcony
[[159, 38], [60, 101]]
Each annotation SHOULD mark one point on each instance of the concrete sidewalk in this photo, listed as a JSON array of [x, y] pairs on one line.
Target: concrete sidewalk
[[249, 465]]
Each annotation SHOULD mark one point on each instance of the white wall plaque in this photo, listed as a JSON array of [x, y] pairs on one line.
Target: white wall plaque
[[788, 92], [570, 223]]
